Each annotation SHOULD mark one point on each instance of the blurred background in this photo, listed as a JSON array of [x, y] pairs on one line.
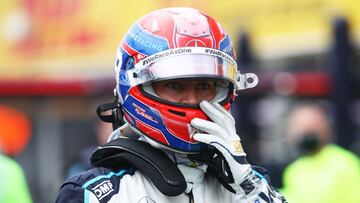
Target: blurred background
[[56, 67]]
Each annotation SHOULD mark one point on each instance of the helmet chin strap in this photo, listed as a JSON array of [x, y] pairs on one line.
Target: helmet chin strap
[[117, 133], [116, 115]]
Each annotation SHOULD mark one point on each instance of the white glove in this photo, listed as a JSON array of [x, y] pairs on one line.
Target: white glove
[[221, 134]]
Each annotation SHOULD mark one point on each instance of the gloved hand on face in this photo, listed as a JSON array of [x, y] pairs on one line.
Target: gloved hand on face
[[221, 134]]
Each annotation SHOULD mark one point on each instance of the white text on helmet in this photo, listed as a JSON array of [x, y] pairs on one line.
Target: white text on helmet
[[168, 53]]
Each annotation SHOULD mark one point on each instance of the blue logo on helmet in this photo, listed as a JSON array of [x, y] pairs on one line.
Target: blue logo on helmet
[[145, 42]]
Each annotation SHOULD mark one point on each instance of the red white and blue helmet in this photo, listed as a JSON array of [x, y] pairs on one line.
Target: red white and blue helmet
[[174, 43]]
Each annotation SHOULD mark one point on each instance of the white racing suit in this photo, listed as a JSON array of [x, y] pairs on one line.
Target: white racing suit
[[131, 186]]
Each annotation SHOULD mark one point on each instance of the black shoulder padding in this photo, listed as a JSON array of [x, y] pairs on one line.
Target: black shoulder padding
[[151, 162]]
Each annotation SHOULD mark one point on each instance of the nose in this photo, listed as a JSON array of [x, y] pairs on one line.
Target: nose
[[190, 97]]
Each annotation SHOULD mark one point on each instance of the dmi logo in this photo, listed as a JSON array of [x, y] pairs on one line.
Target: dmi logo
[[103, 189]]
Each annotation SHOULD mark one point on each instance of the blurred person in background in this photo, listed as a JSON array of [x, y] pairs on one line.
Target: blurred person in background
[[13, 185], [14, 135], [102, 131], [176, 79], [324, 172]]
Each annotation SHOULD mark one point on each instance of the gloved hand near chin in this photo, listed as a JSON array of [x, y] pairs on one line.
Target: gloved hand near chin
[[221, 134]]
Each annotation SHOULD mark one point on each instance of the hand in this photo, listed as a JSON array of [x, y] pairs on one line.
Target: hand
[[221, 134]]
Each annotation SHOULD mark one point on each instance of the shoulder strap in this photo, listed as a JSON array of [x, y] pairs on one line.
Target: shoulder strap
[[151, 162]]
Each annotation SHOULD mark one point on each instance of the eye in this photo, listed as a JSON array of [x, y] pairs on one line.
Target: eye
[[204, 85], [173, 85]]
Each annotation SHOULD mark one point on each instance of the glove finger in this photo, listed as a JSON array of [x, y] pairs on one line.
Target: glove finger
[[218, 115], [232, 143], [228, 121], [218, 144], [209, 127], [207, 138], [224, 111], [213, 113]]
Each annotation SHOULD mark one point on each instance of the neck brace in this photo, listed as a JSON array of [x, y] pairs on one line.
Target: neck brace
[[151, 162]]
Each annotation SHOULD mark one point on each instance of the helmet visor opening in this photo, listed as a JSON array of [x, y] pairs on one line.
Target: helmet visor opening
[[220, 91], [184, 66]]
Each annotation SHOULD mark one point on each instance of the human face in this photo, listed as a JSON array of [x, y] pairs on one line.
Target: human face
[[308, 119], [185, 91]]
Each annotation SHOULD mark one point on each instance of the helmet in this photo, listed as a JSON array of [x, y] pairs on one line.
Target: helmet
[[174, 43]]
